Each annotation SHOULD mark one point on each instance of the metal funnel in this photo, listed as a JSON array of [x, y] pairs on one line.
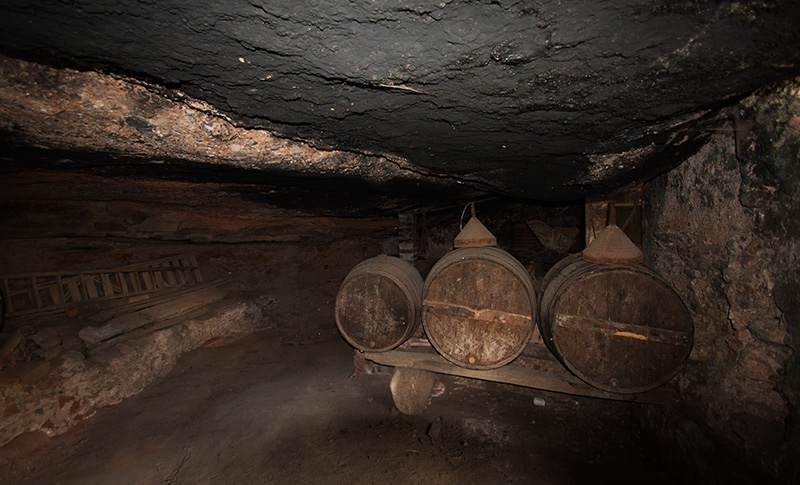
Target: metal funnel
[[474, 234], [612, 246]]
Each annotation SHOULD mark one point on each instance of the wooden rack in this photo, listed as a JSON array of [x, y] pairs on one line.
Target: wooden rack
[[536, 368]]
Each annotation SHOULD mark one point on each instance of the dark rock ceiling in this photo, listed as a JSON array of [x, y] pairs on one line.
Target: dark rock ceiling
[[544, 100]]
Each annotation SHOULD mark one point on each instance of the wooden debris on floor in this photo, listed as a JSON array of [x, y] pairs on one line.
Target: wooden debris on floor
[[158, 315], [25, 344], [130, 305]]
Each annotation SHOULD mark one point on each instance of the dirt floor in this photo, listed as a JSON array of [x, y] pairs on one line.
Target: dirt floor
[[256, 410]]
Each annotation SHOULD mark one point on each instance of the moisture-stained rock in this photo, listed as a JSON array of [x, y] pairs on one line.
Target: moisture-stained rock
[[543, 100], [722, 229]]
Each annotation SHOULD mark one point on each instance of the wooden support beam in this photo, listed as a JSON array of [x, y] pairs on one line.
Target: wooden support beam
[[510, 374]]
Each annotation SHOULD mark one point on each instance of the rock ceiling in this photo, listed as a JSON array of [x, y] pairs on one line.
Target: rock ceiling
[[543, 100]]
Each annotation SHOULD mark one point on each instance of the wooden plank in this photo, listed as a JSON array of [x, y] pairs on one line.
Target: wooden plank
[[511, 375], [47, 291], [158, 297], [126, 323], [152, 263], [155, 327], [58, 309]]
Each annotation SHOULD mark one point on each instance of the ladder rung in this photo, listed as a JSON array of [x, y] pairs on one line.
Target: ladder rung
[[147, 278], [123, 287], [74, 291], [36, 294], [108, 288], [134, 278], [198, 276], [89, 287]]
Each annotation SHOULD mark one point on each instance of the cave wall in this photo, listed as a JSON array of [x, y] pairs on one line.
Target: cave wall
[[723, 228], [282, 268], [290, 265]]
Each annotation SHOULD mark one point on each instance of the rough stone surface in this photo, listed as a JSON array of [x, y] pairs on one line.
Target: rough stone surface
[[545, 99], [133, 128], [254, 410], [53, 203], [723, 229], [76, 387]]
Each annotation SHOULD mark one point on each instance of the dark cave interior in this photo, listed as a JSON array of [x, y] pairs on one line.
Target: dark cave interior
[[186, 185]]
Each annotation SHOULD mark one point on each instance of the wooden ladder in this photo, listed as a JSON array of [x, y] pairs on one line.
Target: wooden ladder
[[29, 294]]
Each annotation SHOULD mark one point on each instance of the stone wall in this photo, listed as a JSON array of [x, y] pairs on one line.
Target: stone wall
[[72, 387], [724, 229]]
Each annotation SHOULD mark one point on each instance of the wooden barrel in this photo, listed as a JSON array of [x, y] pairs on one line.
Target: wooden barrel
[[378, 305], [479, 307], [618, 328]]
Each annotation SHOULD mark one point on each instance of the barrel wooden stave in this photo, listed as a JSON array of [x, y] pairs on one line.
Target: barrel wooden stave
[[619, 328], [378, 304], [478, 307]]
